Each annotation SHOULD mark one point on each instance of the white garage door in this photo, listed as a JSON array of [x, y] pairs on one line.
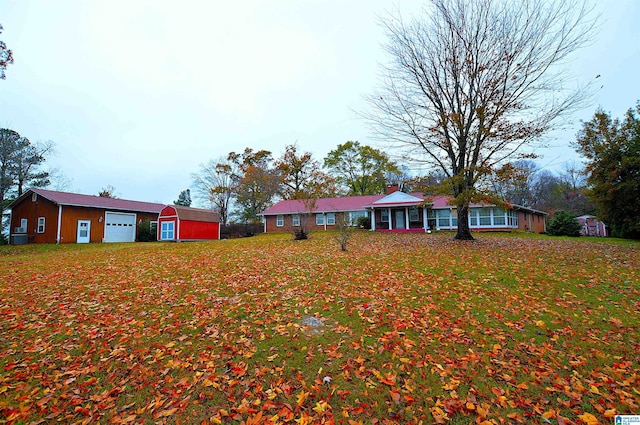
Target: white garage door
[[119, 227]]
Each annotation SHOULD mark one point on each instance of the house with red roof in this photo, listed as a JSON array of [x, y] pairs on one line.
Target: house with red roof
[[399, 212], [47, 216]]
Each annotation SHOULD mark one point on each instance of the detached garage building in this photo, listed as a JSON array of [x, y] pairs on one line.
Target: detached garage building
[[179, 224], [47, 216]]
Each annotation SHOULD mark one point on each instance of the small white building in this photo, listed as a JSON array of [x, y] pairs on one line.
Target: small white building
[[591, 226]]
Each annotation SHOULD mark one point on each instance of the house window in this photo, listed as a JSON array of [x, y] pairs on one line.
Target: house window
[[23, 226], [167, 231], [473, 217], [295, 220], [413, 214], [319, 219], [443, 217], [499, 217], [331, 219], [384, 216], [512, 218], [41, 221], [485, 216], [355, 215], [446, 218], [279, 220]]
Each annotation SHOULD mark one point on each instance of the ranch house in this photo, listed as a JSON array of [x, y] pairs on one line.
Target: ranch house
[[398, 212]]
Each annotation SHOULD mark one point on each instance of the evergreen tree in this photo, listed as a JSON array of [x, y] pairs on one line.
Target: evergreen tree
[[612, 148], [184, 198]]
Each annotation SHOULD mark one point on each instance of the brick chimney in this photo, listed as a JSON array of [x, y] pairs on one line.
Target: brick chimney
[[392, 188]]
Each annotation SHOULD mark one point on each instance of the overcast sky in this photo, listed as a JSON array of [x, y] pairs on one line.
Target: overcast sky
[[136, 94]]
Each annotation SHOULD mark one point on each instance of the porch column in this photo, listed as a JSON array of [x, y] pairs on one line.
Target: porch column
[[390, 219], [373, 219], [406, 218], [424, 219]]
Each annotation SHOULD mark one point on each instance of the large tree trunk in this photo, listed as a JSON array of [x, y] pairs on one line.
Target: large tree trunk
[[464, 233]]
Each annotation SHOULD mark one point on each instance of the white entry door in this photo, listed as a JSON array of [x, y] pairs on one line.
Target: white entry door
[[399, 219], [84, 231]]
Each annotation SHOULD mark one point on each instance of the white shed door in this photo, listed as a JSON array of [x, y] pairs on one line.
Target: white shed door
[[119, 227]]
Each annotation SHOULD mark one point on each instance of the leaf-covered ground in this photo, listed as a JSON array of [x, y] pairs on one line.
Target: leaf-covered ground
[[402, 328]]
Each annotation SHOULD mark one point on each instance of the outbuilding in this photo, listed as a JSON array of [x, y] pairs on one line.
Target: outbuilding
[[48, 216], [178, 223]]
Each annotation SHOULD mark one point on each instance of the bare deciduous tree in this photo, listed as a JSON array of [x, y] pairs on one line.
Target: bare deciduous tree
[[215, 183], [345, 230], [474, 82]]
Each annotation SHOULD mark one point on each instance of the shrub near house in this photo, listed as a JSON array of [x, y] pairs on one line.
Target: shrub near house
[[564, 223]]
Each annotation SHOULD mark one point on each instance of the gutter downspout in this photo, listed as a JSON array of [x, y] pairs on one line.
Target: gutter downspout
[[59, 224], [10, 223]]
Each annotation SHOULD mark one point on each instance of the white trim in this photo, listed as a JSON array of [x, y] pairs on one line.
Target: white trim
[[173, 230], [397, 198]]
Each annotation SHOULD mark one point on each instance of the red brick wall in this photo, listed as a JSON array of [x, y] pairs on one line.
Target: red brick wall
[[532, 222], [309, 221]]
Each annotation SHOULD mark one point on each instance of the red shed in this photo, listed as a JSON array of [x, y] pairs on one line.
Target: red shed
[[178, 223]]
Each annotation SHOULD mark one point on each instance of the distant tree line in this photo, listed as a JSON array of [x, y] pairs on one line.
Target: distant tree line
[[241, 185]]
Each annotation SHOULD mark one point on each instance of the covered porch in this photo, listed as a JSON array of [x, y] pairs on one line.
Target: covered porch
[[403, 219], [400, 212]]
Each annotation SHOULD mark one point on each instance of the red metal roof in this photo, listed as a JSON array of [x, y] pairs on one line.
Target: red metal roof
[[347, 203], [361, 203], [76, 199]]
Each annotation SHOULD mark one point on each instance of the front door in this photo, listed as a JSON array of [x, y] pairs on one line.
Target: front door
[[399, 219], [84, 231]]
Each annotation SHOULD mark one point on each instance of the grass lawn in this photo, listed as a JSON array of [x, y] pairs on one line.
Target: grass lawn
[[402, 328]]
